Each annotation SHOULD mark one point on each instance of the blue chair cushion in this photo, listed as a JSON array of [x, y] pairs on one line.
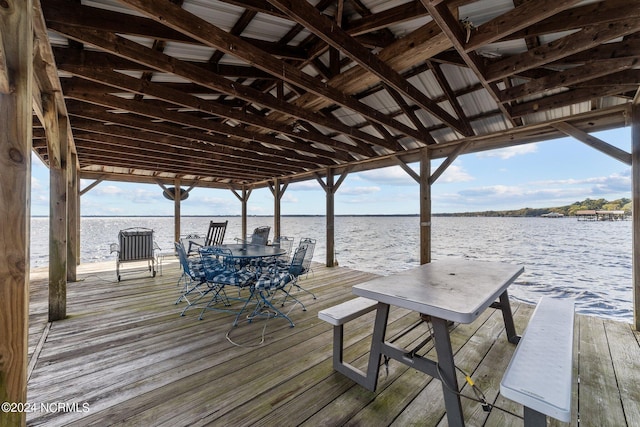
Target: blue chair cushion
[[242, 277], [197, 270], [272, 279]]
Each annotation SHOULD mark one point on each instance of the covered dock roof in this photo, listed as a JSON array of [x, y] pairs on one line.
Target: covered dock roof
[[261, 93], [236, 93]]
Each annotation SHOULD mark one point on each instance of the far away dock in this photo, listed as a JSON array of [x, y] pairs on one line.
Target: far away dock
[[126, 355]]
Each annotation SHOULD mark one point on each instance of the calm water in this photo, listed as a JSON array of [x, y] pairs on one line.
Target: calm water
[[589, 261]]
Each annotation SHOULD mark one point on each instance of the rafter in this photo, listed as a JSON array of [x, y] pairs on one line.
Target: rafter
[[250, 141], [605, 86], [521, 17], [452, 28], [114, 22], [569, 77], [162, 62], [175, 145], [338, 38], [123, 82], [584, 39], [211, 35]]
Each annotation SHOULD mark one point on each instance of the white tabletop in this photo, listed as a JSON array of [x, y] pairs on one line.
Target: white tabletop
[[452, 289]]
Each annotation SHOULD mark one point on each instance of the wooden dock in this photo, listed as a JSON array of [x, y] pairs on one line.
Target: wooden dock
[[125, 356]]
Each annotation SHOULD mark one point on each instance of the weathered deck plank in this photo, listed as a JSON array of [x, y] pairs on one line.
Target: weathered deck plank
[[126, 352]]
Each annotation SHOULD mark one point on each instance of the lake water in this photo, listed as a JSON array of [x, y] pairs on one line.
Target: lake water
[[589, 261]]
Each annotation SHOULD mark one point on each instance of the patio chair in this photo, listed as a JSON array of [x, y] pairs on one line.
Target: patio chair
[[274, 279], [231, 273], [309, 245], [260, 236], [194, 276], [282, 242], [192, 243], [134, 245], [286, 243], [214, 237], [215, 234]]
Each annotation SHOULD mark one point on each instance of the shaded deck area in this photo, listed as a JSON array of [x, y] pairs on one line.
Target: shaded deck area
[[126, 353]]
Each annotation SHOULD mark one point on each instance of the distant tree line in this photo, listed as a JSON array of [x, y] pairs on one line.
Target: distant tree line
[[569, 210]]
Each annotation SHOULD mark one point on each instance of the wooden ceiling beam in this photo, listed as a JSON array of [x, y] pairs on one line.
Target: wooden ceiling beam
[[627, 48], [593, 89], [107, 61], [152, 153], [453, 29], [584, 39], [409, 112], [92, 157], [126, 83], [578, 17], [406, 53], [210, 35], [436, 69], [382, 20], [520, 17], [162, 62], [261, 6], [324, 28], [569, 77], [179, 139], [68, 13], [249, 141], [168, 146]]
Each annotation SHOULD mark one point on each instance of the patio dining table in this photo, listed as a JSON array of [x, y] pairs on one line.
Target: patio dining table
[[447, 290], [242, 268], [248, 251]]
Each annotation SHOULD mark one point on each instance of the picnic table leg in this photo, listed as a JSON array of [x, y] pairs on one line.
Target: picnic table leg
[[533, 418], [377, 340], [447, 372], [507, 315]]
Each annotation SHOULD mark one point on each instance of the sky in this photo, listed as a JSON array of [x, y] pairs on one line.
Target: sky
[[540, 175]]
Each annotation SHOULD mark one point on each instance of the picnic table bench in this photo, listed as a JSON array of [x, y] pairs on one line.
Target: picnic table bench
[[540, 373]]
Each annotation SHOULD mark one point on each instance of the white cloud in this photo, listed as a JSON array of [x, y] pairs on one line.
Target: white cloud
[[108, 190], [394, 175], [357, 191], [538, 194], [509, 152], [455, 173], [311, 185], [616, 182], [289, 198]]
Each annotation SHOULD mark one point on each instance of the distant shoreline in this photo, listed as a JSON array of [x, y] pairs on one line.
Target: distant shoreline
[[239, 216]]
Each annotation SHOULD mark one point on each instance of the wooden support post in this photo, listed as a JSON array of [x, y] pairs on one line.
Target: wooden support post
[[635, 185], [277, 190], [16, 115], [331, 217], [243, 199], [57, 150], [425, 208], [176, 210], [79, 216], [277, 197], [73, 225]]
